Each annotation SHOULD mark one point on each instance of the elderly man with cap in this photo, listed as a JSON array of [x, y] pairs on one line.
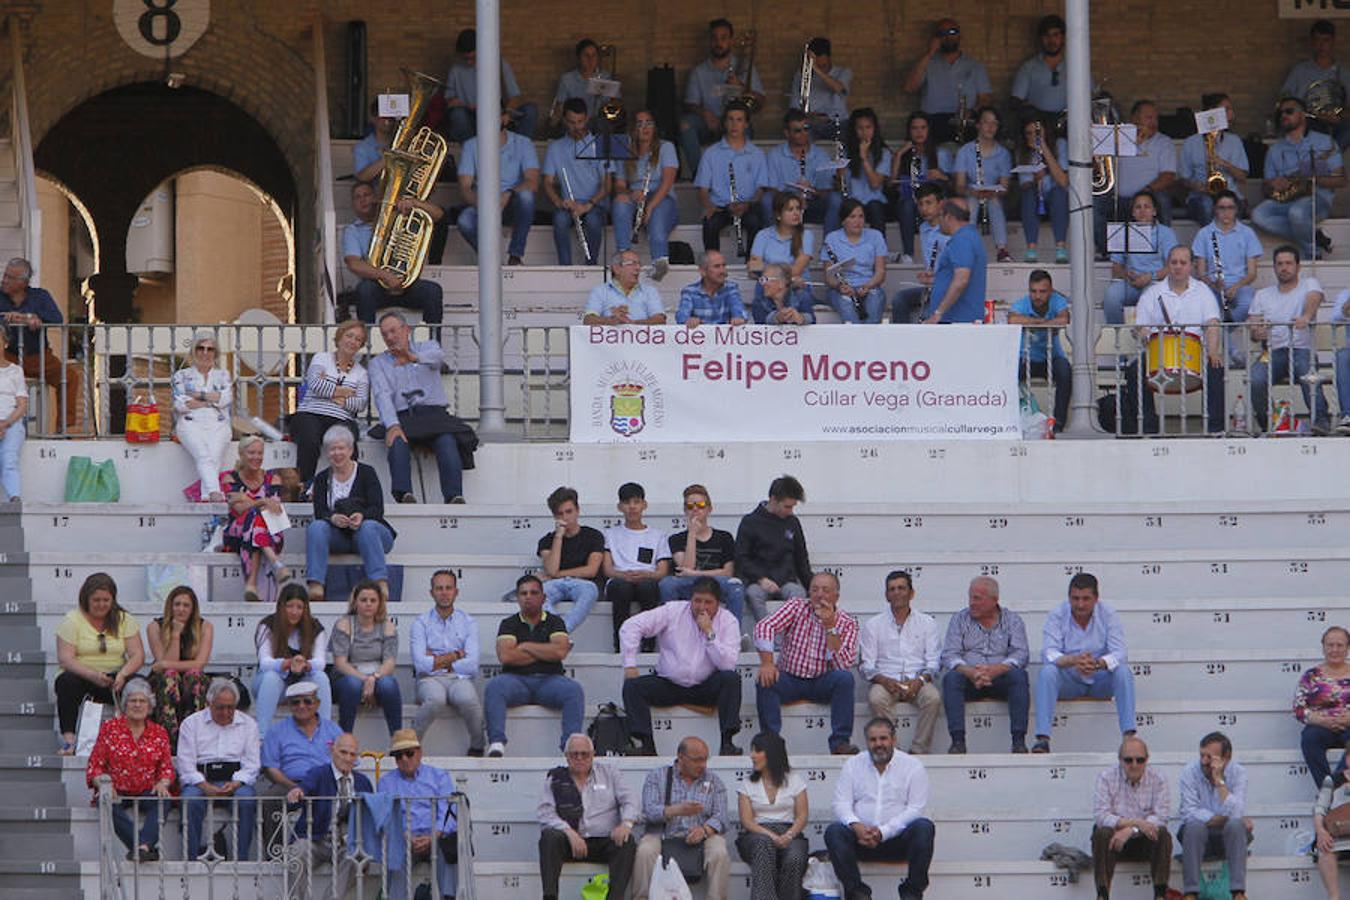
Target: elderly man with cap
[[321, 828], [425, 813], [586, 813], [218, 759], [299, 742]]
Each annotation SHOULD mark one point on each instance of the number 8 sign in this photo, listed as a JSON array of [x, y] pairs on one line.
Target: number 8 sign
[[160, 28]]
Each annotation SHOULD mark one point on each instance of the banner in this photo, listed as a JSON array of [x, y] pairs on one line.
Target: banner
[[668, 383]]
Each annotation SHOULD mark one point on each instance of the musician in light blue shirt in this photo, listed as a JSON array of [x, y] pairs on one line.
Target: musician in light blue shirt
[[1042, 81], [1153, 167], [518, 180], [1133, 271], [944, 75], [1321, 67], [650, 174], [908, 301], [711, 83], [982, 170], [577, 183], [1231, 272], [797, 166], [869, 164], [830, 85], [461, 93], [1290, 163], [1231, 162], [731, 175], [855, 290], [368, 153], [577, 82]]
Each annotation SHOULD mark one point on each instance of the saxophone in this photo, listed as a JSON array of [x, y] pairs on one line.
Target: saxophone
[[1215, 180]]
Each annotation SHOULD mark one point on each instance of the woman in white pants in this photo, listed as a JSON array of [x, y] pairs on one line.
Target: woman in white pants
[[201, 405]]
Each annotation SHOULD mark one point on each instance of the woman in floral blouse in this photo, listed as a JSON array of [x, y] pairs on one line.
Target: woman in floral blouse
[[252, 491], [135, 752], [1322, 703], [180, 641]]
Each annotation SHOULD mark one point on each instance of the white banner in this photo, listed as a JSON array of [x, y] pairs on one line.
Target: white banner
[[668, 383]]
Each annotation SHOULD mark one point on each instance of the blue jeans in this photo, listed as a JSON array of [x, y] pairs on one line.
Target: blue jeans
[[593, 223], [519, 214], [1293, 220], [581, 591], [1315, 743], [907, 217], [194, 808], [554, 691], [372, 540], [348, 689], [1119, 294], [423, 295], [914, 845], [462, 122], [800, 299], [998, 219], [269, 686], [681, 587], [11, 446], [661, 220], [1011, 686], [1056, 205], [1343, 380], [146, 813], [1278, 368], [449, 466], [834, 687], [905, 306], [872, 303], [1054, 683]]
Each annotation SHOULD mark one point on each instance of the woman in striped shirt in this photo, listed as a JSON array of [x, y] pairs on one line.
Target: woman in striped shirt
[[337, 390]]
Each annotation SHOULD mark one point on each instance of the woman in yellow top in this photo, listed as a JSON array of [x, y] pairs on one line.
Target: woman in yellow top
[[98, 647]]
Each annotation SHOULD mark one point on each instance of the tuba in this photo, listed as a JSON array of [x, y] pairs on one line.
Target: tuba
[[400, 240], [1103, 167], [1325, 99]]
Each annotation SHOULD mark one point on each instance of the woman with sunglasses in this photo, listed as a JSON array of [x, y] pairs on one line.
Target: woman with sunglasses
[[98, 647], [201, 407], [650, 173], [292, 646]]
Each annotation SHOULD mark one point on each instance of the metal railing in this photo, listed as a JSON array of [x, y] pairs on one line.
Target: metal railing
[[368, 854], [30, 216], [1160, 386]]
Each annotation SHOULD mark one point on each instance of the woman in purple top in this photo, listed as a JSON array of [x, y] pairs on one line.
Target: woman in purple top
[[1322, 704]]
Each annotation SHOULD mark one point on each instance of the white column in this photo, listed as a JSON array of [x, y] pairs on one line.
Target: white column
[[1082, 328], [491, 394]]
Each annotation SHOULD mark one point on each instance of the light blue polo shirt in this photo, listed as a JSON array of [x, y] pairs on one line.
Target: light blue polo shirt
[[1236, 248], [584, 175], [1194, 165], [517, 156], [944, 83], [864, 253], [666, 159], [1035, 82], [1164, 239], [858, 187], [773, 248], [997, 164], [462, 83], [785, 169], [701, 89], [713, 172]]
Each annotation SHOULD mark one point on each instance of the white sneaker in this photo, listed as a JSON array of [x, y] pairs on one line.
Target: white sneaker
[[660, 267], [906, 259], [1343, 426], [496, 748]]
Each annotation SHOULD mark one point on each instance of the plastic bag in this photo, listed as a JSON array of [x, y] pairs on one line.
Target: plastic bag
[[667, 883], [819, 881], [86, 732], [597, 888], [1214, 883], [161, 578], [90, 482]]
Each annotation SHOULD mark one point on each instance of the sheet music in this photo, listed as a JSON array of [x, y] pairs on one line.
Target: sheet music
[[1115, 140]]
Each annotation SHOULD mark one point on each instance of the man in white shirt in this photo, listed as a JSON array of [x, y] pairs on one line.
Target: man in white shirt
[[637, 557], [900, 657], [218, 757], [878, 808], [1182, 303], [1282, 316]]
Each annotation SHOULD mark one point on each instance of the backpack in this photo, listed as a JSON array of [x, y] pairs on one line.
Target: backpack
[[609, 731]]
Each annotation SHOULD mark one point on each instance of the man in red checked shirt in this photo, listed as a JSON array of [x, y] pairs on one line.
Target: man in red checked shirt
[[819, 647]]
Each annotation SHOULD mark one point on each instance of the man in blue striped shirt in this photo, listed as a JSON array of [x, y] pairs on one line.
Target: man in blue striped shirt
[[985, 657], [711, 300]]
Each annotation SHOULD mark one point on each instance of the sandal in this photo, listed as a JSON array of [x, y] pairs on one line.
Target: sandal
[[281, 574], [67, 748], [251, 596]]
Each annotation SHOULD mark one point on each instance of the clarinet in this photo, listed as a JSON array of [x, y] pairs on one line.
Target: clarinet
[[1039, 160], [1218, 271], [638, 223], [858, 305], [915, 176], [928, 291], [979, 183], [807, 189], [576, 217], [838, 156], [735, 218]]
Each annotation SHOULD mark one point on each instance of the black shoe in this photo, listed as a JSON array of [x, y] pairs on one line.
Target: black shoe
[[844, 749], [728, 749], [1019, 745], [404, 497], [958, 746], [1323, 240], [458, 498], [474, 751], [514, 260]]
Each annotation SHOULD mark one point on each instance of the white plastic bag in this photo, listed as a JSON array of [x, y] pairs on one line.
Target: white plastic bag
[[819, 881], [667, 883], [86, 732]]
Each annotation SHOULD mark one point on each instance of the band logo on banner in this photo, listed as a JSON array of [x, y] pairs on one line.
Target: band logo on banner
[[828, 382]]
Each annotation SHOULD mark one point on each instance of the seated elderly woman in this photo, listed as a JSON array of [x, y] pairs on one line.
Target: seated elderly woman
[[1322, 704], [348, 515], [134, 752], [252, 491], [201, 408], [98, 647], [180, 641]]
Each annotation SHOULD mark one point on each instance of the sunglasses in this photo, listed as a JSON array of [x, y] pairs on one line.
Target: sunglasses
[[1289, 110], [696, 504], [400, 754], [765, 279], [303, 701], [1134, 760], [102, 642], [206, 349]]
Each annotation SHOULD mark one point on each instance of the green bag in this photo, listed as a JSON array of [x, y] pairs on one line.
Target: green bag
[[90, 482], [597, 888], [1214, 884]]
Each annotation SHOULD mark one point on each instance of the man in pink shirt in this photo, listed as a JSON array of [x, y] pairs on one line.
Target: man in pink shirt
[[699, 642]]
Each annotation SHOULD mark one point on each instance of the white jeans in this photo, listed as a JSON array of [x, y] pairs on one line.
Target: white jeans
[[205, 437]]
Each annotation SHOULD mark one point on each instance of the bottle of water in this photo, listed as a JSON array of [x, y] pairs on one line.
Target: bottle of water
[[1237, 420]]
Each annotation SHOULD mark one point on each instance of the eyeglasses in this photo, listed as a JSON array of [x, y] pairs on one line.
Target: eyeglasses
[[696, 504], [303, 701], [223, 707], [944, 32], [1288, 110], [645, 123], [400, 754], [1134, 760], [206, 348]]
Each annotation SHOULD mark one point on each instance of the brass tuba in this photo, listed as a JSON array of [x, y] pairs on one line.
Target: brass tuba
[[400, 240], [1103, 167], [1325, 99]]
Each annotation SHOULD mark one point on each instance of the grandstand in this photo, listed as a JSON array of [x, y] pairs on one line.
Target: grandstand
[[1226, 557]]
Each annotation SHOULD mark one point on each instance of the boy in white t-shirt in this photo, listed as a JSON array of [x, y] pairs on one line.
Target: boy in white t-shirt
[[636, 559], [1282, 315]]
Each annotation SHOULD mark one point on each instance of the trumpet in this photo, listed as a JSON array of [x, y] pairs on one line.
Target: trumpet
[[804, 91], [961, 125], [1215, 181]]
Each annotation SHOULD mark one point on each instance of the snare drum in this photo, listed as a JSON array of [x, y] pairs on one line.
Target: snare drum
[[1175, 363]]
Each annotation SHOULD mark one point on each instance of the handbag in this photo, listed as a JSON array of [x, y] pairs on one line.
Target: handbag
[[90, 482], [689, 857], [1337, 821]]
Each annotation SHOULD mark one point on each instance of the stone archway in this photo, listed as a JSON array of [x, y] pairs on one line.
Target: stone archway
[[114, 148]]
